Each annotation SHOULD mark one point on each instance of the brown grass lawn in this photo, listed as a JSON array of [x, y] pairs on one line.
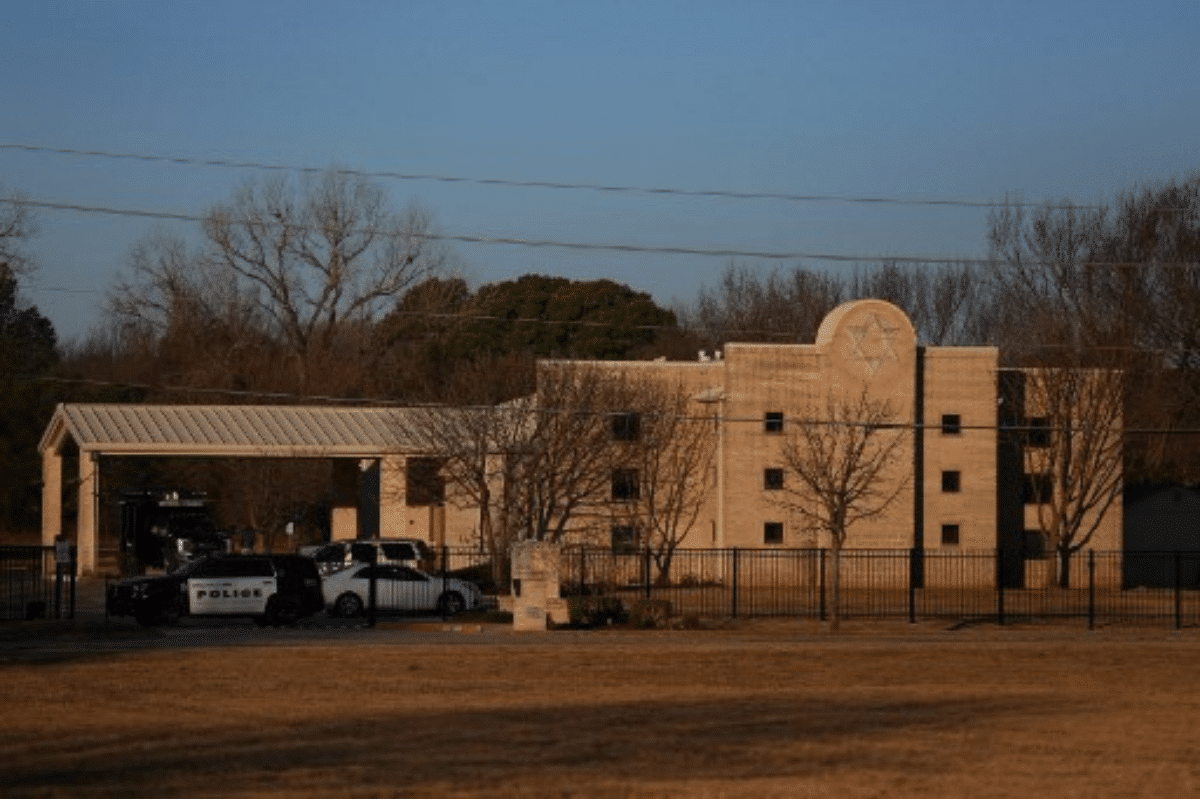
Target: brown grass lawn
[[770, 709]]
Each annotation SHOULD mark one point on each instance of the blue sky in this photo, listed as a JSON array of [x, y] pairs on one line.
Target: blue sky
[[961, 100]]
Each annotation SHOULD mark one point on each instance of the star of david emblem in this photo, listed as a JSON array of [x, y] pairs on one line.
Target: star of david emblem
[[872, 344]]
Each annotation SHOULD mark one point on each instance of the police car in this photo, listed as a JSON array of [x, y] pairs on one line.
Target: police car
[[271, 589]]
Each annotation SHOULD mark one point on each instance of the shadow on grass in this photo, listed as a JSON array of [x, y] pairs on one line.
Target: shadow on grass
[[578, 749]]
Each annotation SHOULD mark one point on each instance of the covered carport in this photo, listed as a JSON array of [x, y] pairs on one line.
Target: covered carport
[[357, 440]]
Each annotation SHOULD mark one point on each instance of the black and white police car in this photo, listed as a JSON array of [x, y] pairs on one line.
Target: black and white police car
[[271, 589]]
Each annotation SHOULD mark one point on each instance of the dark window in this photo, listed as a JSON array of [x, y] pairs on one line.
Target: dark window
[[772, 478], [773, 422], [772, 533], [949, 534], [397, 551], [951, 481], [423, 482], [1038, 434], [1035, 545], [362, 552], [1038, 488], [624, 539], [626, 427], [951, 424], [625, 484]]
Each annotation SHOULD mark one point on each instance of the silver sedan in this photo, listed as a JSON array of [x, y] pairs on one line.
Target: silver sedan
[[397, 588]]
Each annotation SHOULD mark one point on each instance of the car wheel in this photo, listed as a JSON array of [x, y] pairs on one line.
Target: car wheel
[[451, 603], [281, 612], [348, 605], [173, 612]]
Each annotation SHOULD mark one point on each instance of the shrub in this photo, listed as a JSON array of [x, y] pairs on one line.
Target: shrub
[[588, 611], [651, 613]]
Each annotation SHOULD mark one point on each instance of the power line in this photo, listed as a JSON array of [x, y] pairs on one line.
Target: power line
[[715, 193], [505, 240], [626, 248]]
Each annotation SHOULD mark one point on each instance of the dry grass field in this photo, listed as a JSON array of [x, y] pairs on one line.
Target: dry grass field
[[766, 709]]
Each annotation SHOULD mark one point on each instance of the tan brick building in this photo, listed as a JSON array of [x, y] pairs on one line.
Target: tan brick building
[[959, 493]]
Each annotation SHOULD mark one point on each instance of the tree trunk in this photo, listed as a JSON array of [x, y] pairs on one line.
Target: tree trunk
[[835, 565]]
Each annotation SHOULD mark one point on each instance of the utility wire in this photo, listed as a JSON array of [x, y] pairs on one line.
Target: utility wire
[[717, 193], [627, 248]]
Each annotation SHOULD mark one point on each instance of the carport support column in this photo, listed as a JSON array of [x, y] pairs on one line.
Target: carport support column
[[344, 524], [52, 465], [87, 533]]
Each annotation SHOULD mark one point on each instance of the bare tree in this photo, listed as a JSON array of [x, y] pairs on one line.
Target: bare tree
[[479, 444], [17, 227], [320, 256], [565, 468], [1074, 454], [306, 267], [845, 467], [747, 307], [671, 445]]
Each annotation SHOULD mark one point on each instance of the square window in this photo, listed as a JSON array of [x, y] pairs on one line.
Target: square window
[[1037, 488], [951, 424], [950, 535], [772, 479], [1038, 433], [625, 484], [626, 427], [773, 422], [772, 533], [424, 484], [951, 480], [624, 539]]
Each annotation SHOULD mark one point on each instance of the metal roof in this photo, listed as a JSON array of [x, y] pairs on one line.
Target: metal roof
[[280, 431]]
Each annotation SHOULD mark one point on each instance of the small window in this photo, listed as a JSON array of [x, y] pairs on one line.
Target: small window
[[626, 427], [1035, 545], [951, 481], [625, 484], [1038, 488], [949, 535], [424, 484], [773, 422], [624, 539], [772, 533], [1038, 434], [772, 479], [951, 424]]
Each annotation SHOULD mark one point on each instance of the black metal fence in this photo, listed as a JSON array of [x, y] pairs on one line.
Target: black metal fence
[[1101, 587], [33, 585]]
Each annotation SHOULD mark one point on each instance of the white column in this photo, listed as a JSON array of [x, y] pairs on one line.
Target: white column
[[87, 534], [51, 496]]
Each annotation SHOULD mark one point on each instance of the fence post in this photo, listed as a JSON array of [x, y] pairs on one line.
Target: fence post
[[734, 584], [999, 585], [1178, 593], [73, 566], [912, 585], [646, 570], [445, 576], [371, 588], [821, 597], [582, 570], [1091, 589]]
